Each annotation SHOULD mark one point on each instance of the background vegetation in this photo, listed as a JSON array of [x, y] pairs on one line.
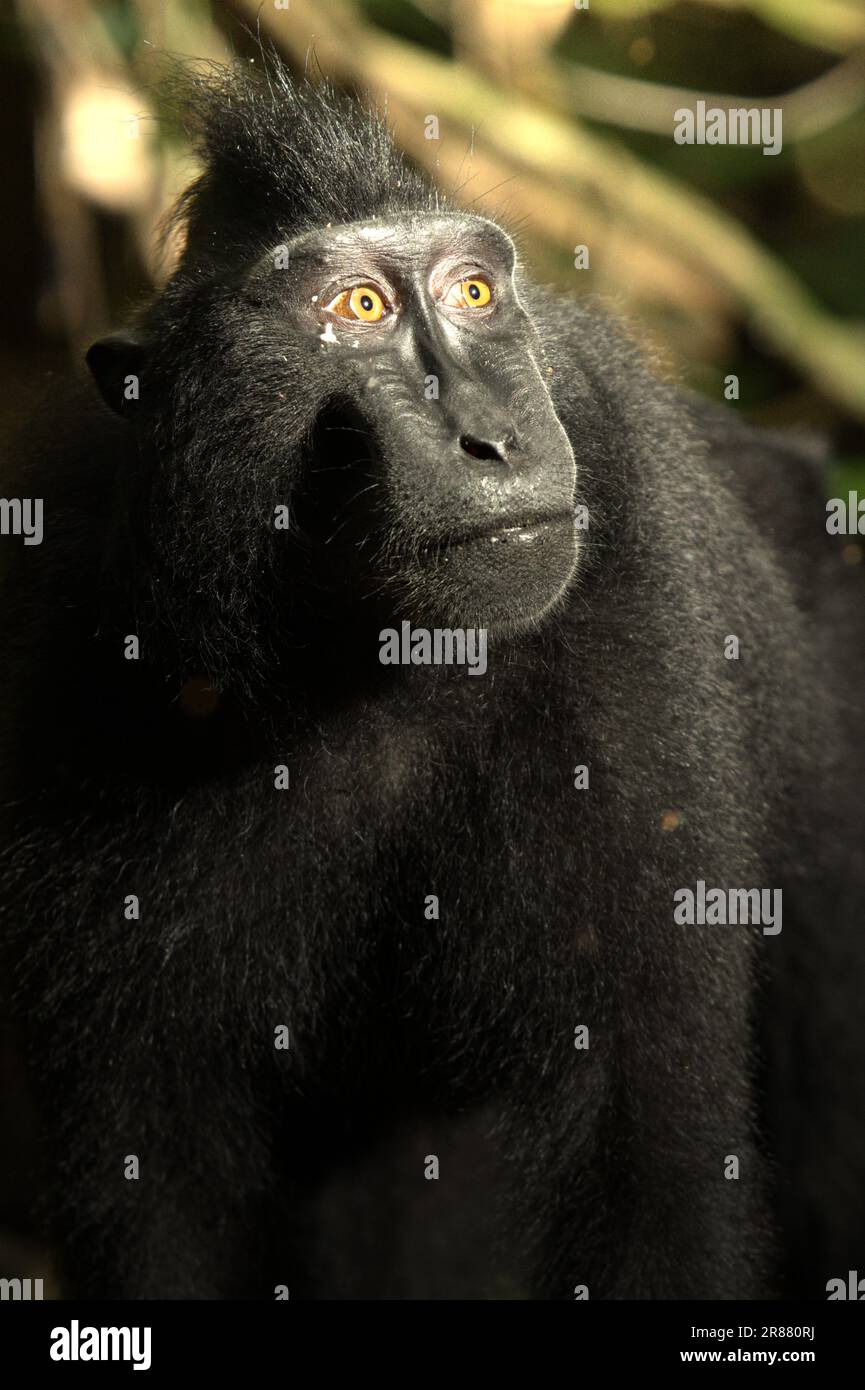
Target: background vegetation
[[556, 118]]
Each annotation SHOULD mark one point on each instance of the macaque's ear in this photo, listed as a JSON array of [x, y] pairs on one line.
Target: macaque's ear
[[116, 363]]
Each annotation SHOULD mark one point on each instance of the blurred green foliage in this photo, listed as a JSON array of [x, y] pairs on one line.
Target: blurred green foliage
[[606, 80]]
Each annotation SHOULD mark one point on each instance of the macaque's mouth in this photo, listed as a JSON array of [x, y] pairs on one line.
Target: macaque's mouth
[[524, 532]]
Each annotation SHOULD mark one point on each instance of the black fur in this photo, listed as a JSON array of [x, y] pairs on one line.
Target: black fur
[[412, 1037]]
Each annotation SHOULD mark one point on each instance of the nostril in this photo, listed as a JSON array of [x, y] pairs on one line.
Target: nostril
[[481, 448]]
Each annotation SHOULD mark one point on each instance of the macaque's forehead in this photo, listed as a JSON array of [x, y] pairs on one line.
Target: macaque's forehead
[[417, 236]]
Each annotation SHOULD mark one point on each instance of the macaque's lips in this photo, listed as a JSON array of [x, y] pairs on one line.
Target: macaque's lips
[[523, 532]]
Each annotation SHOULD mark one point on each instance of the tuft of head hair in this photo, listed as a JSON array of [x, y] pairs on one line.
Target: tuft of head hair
[[280, 155]]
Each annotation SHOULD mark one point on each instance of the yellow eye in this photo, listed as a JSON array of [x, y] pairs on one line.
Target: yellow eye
[[363, 302], [468, 294]]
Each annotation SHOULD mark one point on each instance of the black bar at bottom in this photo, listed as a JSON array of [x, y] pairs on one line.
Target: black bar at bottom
[[296, 1339]]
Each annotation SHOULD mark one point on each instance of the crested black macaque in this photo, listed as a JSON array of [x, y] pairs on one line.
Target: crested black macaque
[[369, 980]]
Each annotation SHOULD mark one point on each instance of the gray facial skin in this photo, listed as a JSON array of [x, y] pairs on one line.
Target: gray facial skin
[[476, 474]]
